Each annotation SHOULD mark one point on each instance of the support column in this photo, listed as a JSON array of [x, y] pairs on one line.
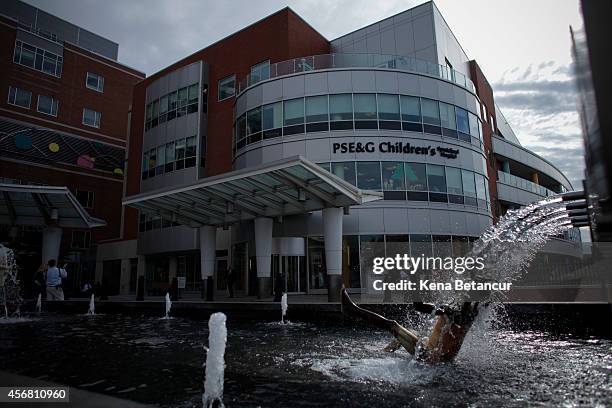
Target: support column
[[263, 253], [141, 269], [51, 240], [208, 247], [535, 178], [506, 166], [172, 267], [332, 234]]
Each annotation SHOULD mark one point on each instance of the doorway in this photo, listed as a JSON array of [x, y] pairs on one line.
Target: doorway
[[293, 270]]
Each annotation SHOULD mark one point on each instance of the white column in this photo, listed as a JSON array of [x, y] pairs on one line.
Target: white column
[[263, 246], [332, 234], [51, 240], [208, 247]]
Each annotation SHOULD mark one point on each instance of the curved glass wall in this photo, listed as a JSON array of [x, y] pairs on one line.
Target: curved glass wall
[[415, 181], [351, 111], [357, 60]]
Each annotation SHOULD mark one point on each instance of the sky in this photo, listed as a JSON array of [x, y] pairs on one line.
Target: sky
[[522, 46]]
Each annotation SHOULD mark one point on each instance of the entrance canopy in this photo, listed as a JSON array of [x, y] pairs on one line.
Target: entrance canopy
[[284, 187], [43, 205]]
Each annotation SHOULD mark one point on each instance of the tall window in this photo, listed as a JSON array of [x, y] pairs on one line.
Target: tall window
[[436, 180], [293, 116], [260, 72], [368, 175], [345, 170], [272, 120], [227, 87], [91, 117], [95, 82], [411, 113], [192, 98], [317, 114], [190, 151], [454, 185], [389, 112], [170, 157], [447, 120], [47, 105], [341, 111], [19, 97], [365, 111], [469, 187]]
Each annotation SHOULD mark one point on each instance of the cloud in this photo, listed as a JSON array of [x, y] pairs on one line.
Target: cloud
[[540, 103]]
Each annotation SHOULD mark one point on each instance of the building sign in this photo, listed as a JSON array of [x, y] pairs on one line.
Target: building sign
[[397, 147]]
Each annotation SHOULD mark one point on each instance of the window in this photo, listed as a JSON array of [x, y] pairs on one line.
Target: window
[[241, 131], [474, 131], [172, 105], [190, 151], [163, 109], [389, 112], [181, 102], [436, 180], [346, 171], [80, 239], [145, 165], [170, 157], [293, 116], [469, 187], [179, 151], [272, 120], [152, 162], [47, 105], [365, 111], [416, 178], [85, 198], [192, 98], [260, 72], [447, 120], [227, 87], [341, 111], [454, 185], [481, 190], [91, 117], [463, 125], [368, 175], [161, 160], [254, 123], [431, 113], [19, 97], [155, 113], [38, 59], [393, 180], [95, 82], [411, 114], [317, 114]]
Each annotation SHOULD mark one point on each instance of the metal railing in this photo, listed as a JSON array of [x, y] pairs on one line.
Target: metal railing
[[511, 180], [332, 61]]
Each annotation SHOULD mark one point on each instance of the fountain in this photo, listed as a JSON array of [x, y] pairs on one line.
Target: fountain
[[284, 307], [92, 306], [39, 304], [9, 282], [215, 361], [168, 306]]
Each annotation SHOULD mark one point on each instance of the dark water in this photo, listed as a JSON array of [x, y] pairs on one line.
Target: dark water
[[269, 365]]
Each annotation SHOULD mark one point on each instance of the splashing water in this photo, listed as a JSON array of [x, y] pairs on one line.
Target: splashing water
[[168, 306], [9, 282], [39, 304], [92, 306], [215, 361], [509, 246], [284, 307]]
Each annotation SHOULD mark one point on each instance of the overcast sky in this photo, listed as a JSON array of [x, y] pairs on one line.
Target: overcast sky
[[523, 47]]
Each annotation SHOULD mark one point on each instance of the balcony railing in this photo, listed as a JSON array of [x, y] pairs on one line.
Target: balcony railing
[[511, 180], [331, 61]]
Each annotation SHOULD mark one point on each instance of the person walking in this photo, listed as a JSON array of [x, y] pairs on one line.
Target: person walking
[[39, 282], [231, 279], [54, 281]]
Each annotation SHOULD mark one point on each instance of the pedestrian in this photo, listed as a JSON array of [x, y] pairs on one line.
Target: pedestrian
[[231, 279], [39, 283], [54, 281]]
